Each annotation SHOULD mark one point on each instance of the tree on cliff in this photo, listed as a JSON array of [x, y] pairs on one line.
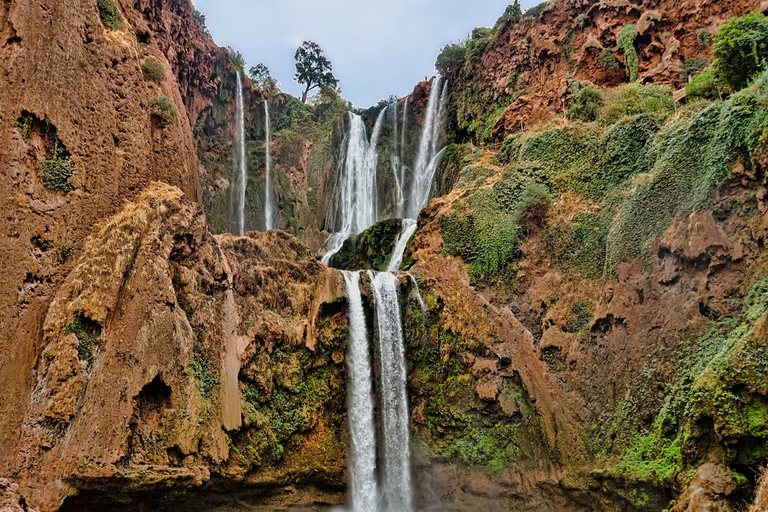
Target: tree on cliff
[[313, 69], [262, 78]]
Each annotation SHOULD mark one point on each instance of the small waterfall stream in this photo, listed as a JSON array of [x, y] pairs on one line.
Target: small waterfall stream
[[241, 171], [395, 420], [429, 155], [409, 228], [269, 207], [362, 456]]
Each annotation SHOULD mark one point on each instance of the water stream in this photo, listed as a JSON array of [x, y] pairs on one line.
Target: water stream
[[362, 456], [241, 171], [269, 208]]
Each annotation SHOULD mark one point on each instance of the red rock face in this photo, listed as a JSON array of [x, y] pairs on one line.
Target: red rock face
[[546, 51], [61, 68]]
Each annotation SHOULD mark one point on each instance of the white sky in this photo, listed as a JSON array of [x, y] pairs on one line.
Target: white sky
[[377, 48]]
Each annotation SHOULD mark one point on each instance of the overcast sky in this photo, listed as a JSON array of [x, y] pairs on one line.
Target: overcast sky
[[377, 48]]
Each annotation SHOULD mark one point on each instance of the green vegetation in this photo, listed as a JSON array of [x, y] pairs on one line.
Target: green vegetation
[[371, 249], [200, 18], [313, 69], [262, 79], [608, 59], [152, 70], [579, 246], [163, 110], [703, 86], [626, 44], [741, 49], [87, 333], [57, 170], [634, 99], [536, 10], [587, 102], [692, 67], [236, 58], [110, 14], [703, 38]]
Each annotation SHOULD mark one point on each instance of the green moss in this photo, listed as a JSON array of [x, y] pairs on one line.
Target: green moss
[[152, 70], [626, 44], [163, 110], [371, 249], [57, 169], [690, 160], [87, 333]]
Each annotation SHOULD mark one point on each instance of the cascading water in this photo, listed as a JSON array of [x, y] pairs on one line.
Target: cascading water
[[241, 172], [269, 207], [429, 155], [357, 201], [409, 227], [396, 472], [362, 457]]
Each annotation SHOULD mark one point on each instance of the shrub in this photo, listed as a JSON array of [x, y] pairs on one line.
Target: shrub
[[635, 99], [586, 103], [153, 70], [581, 21], [236, 58], [200, 18], [451, 59], [536, 10], [533, 206], [163, 110], [703, 38], [512, 14], [626, 44], [741, 47], [692, 67], [580, 245], [87, 333], [57, 169], [608, 59], [702, 86], [110, 14]]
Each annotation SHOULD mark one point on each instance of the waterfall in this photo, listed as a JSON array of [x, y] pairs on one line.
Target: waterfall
[[419, 298], [357, 201], [362, 456], [396, 471], [241, 176], [409, 227], [269, 208], [429, 156]]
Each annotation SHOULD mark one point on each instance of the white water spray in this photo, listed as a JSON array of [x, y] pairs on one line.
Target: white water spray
[[269, 207], [396, 472], [362, 456]]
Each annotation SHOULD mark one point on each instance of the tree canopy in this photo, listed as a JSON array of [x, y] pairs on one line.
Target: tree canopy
[[313, 69], [741, 47], [262, 79]]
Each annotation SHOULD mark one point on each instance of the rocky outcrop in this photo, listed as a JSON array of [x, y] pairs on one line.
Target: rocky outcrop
[[172, 357], [73, 94]]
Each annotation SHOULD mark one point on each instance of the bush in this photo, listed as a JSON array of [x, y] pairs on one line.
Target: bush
[[57, 169], [153, 70], [741, 47], [703, 38], [580, 245], [512, 14], [626, 44], [536, 10], [608, 59], [163, 110], [586, 104], [110, 14], [692, 67], [703, 86], [200, 18], [451, 59], [635, 99]]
